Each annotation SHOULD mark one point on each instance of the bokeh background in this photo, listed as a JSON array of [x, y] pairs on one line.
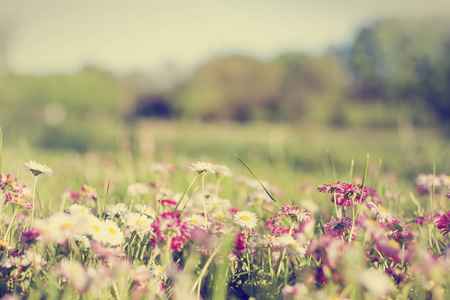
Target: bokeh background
[[281, 83]]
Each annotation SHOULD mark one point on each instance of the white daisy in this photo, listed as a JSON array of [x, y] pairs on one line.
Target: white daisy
[[145, 210], [38, 169], [119, 209], [195, 221], [83, 241], [138, 189], [202, 167], [77, 209], [73, 271], [218, 203], [113, 235], [291, 245], [139, 223], [222, 171], [246, 219]]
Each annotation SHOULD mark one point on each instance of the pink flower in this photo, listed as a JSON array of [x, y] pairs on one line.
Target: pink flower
[[168, 226], [340, 227], [443, 222], [398, 229]]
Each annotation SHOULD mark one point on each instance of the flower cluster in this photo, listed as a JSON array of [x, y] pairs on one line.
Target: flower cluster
[[344, 194]]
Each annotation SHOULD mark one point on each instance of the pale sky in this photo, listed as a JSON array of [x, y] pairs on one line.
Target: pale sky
[[63, 35]]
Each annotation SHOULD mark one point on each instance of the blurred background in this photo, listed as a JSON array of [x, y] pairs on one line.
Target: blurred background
[[284, 82]]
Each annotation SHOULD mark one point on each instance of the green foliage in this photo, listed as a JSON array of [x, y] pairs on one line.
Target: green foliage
[[61, 110], [405, 60]]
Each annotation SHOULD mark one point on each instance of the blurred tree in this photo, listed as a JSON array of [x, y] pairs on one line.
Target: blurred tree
[[407, 60], [243, 89]]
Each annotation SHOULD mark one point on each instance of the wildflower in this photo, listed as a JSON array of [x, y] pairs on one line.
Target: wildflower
[[196, 221], [330, 188], [169, 226], [112, 235], [162, 167], [296, 214], [291, 245], [38, 169], [443, 222], [158, 271], [83, 241], [246, 219], [202, 168], [398, 229], [339, 227], [59, 227], [145, 210], [381, 213], [376, 282], [138, 189], [75, 209], [222, 171], [89, 192], [34, 259], [120, 210], [74, 272], [139, 223]]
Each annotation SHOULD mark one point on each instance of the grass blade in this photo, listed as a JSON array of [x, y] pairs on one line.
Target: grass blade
[[270, 195], [1, 148]]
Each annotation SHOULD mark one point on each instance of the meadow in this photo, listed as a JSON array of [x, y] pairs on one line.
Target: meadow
[[227, 211]]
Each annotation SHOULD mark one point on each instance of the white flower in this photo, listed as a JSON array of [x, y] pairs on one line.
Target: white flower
[[113, 235], [218, 203], [83, 241], [59, 227], [291, 245], [138, 189], [376, 282], [35, 259], [119, 209], [37, 168], [222, 170], [246, 219], [202, 167], [77, 209], [74, 272], [145, 210], [139, 223], [195, 221]]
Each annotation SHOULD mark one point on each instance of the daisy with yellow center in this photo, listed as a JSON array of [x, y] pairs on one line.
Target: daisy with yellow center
[[246, 219], [112, 235]]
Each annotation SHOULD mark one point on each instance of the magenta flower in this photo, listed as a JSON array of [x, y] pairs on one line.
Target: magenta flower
[[398, 229], [330, 188], [295, 213], [168, 226], [343, 194], [339, 227], [443, 222]]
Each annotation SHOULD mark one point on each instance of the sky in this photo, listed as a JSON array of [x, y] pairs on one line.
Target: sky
[[61, 36]]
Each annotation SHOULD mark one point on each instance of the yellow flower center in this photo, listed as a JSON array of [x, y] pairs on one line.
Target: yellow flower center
[[221, 216], [245, 218], [292, 246], [66, 225], [394, 244], [194, 221], [95, 227], [112, 231], [82, 211], [138, 223]]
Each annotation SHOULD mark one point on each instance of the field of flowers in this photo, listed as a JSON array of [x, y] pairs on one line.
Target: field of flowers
[[203, 231]]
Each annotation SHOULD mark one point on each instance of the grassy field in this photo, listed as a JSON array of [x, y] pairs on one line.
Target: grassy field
[[291, 160]]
